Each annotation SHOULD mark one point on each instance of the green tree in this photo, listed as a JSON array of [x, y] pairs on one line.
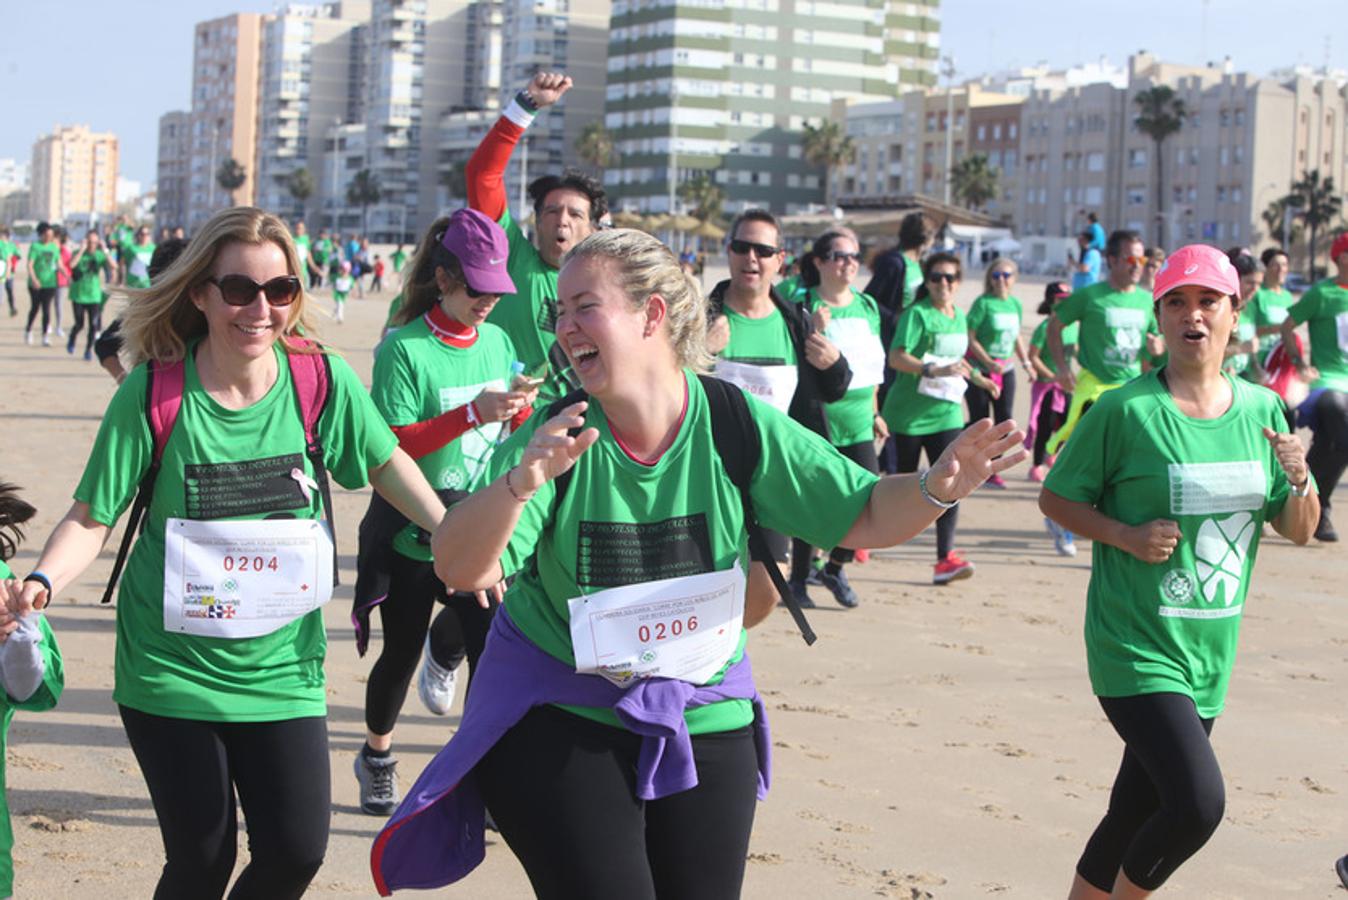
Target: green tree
[[828, 147], [300, 185], [230, 176], [973, 182], [595, 146], [1275, 216], [1318, 206], [364, 191], [703, 197], [1160, 113]]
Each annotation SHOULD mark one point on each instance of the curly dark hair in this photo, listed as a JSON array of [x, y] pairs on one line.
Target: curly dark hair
[[571, 180], [13, 513]]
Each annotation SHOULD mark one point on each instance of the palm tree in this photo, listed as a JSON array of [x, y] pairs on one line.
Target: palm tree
[[300, 184], [230, 176], [595, 146], [1319, 206], [363, 191], [1160, 113], [829, 147], [703, 197], [973, 181], [1275, 216]]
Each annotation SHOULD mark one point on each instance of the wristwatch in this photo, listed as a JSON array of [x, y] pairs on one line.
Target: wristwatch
[[927, 369], [1303, 491]]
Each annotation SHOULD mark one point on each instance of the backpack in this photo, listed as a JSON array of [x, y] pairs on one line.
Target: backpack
[[310, 376], [738, 445]]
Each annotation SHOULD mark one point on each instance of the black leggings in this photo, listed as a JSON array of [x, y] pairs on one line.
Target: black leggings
[[863, 454], [1328, 455], [9, 294], [193, 768], [909, 448], [980, 401], [1168, 797], [93, 314], [1045, 427], [40, 298], [459, 630], [561, 789]]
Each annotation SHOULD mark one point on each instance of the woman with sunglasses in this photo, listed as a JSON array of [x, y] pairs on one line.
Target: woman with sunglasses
[[922, 408], [1173, 476], [994, 337], [443, 382], [851, 320], [220, 638], [552, 737]]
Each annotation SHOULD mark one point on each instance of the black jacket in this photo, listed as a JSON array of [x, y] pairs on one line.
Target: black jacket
[[888, 272], [814, 387]]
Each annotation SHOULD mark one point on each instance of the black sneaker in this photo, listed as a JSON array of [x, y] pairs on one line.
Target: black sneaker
[[378, 779], [1342, 868], [841, 590], [1324, 531], [797, 589]]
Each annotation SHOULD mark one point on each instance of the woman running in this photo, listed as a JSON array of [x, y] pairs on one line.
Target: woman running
[[443, 382], [44, 260], [220, 637], [627, 539], [922, 408], [1242, 354], [994, 337], [1048, 402], [1173, 476], [851, 320], [88, 267]]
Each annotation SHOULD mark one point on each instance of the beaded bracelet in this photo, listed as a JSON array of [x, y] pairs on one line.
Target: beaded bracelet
[[926, 494], [510, 487]]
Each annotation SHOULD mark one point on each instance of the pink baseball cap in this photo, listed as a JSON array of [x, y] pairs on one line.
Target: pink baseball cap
[[481, 247], [1339, 247], [1197, 264]]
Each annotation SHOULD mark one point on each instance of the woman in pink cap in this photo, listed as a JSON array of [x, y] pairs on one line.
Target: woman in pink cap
[[445, 381], [1173, 476]]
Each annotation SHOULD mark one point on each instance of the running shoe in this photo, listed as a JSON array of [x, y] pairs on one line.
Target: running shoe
[[1038, 472], [996, 481], [1063, 541], [1342, 868], [28, 338], [840, 588], [1324, 531], [88, 355], [816, 566], [378, 780], [798, 591], [70, 347], [436, 684], [862, 557], [46, 340], [953, 568]]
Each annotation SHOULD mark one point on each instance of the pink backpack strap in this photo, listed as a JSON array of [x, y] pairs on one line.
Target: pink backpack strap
[[164, 400]]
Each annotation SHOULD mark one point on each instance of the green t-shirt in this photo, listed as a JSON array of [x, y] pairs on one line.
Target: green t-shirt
[[996, 324], [623, 522], [45, 697], [85, 285], [1069, 344], [43, 261], [851, 420], [789, 287], [760, 342], [394, 305], [930, 335], [341, 287], [398, 257], [7, 252], [222, 464], [529, 317], [302, 245], [1172, 627], [1269, 306], [417, 377], [1325, 307], [122, 234], [1239, 364], [1114, 325], [321, 249], [136, 258], [912, 280]]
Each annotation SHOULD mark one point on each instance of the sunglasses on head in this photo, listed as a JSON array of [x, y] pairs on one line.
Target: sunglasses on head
[[762, 251], [999, 276], [841, 256], [240, 290], [947, 277]]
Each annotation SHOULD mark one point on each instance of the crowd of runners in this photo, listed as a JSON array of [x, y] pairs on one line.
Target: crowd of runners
[[571, 424]]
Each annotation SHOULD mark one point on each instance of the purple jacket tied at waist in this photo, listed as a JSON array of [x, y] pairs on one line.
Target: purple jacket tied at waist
[[435, 836]]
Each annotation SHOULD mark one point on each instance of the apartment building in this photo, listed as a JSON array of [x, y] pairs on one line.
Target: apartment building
[[727, 88], [173, 167], [73, 170]]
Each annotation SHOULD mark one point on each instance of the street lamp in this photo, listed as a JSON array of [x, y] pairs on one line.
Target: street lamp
[[332, 196], [948, 70], [673, 153]]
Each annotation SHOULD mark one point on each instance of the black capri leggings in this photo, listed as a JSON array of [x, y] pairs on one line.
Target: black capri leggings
[[562, 791], [40, 299], [193, 768], [863, 454], [1168, 797], [909, 449], [459, 630], [86, 312], [980, 401], [1045, 427], [1328, 455]]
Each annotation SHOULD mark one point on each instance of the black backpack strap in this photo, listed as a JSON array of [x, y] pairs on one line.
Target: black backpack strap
[[563, 481], [313, 394], [737, 443]]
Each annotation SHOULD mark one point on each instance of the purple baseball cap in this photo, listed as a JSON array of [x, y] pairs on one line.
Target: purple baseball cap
[[481, 247]]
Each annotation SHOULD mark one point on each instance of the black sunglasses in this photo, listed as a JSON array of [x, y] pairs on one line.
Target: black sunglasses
[[841, 256], [947, 277], [762, 251], [240, 290]]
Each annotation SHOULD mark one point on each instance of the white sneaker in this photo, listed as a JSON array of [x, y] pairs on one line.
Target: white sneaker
[[436, 684], [1063, 541], [28, 338]]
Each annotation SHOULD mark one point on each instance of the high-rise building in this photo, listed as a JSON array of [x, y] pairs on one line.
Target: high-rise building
[[307, 83], [175, 146], [73, 171], [225, 78], [13, 175], [727, 89]]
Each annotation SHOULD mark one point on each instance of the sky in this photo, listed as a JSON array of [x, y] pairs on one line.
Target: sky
[[119, 66]]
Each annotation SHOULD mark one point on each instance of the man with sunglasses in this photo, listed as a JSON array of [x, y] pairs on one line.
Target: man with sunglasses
[[567, 209], [1116, 317], [766, 344]]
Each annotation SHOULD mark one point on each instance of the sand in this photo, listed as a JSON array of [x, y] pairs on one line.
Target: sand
[[936, 742]]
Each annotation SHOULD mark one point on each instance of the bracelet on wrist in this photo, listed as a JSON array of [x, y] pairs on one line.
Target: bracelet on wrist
[[1300, 490], [927, 369], [526, 100], [42, 579], [927, 495], [510, 487]]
